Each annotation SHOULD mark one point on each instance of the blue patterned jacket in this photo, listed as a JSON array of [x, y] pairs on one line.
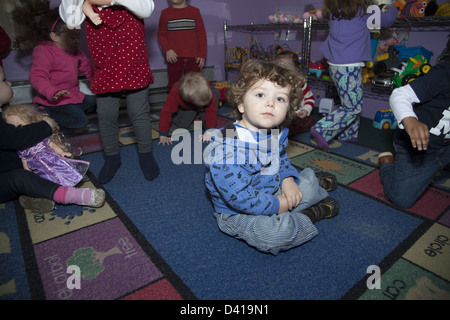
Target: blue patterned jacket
[[245, 169]]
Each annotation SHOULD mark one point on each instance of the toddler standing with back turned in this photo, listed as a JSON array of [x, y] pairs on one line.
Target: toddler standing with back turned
[[346, 48]]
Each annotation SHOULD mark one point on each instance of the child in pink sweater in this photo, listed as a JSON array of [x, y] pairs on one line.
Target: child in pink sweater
[[54, 75]]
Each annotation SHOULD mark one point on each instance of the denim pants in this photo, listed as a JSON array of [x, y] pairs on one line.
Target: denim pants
[[138, 109], [278, 232], [407, 180], [73, 116]]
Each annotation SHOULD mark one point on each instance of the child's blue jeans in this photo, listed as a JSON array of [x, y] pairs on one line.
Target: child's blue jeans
[[73, 116], [407, 180]]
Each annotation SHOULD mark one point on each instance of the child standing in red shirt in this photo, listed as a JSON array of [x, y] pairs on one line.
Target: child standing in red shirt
[[182, 36]]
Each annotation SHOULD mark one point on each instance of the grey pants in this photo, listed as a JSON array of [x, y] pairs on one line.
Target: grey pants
[[139, 113]]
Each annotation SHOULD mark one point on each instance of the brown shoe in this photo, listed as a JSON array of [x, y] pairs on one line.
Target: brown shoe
[[38, 205], [325, 209], [385, 157]]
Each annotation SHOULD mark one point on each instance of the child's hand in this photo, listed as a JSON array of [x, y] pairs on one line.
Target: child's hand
[[171, 56], [206, 137], [200, 62], [61, 93], [292, 193], [164, 140], [418, 133], [302, 113], [66, 154], [95, 18]]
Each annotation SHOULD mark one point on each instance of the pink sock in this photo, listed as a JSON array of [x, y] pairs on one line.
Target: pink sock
[[71, 195]]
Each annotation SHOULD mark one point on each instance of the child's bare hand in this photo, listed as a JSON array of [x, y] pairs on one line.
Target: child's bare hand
[[200, 62], [292, 193], [206, 137], [302, 113], [59, 94], [171, 56], [418, 133], [164, 140], [95, 18]]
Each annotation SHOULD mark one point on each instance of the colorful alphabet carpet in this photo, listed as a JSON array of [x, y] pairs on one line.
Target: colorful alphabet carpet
[[159, 239]]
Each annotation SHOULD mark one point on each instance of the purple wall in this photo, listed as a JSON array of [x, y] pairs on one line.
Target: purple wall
[[214, 13], [235, 12]]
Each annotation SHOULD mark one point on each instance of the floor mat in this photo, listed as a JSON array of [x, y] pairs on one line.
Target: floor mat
[[159, 239]]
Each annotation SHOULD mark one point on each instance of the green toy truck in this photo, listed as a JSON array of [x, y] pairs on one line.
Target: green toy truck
[[415, 67]]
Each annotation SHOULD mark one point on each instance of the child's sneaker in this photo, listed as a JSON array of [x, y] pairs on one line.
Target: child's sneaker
[[325, 209], [39, 205], [97, 198], [327, 180]]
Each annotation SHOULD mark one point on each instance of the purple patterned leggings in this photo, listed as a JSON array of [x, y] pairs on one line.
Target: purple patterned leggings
[[344, 122]]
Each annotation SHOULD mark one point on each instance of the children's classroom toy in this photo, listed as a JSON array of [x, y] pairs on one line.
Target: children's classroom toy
[[384, 119], [404, 52], [417, 66], [383, 79], [222, 87], [317, 68], [327, 106], [411, 8], [387, 61], [236, 56], [285, 18], [316, 14]]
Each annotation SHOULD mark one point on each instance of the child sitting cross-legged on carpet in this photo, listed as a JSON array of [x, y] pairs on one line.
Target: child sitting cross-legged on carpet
[[34, 192], [258, 196]]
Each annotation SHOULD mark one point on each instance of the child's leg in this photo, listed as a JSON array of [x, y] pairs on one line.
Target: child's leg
[[271, 234], [89, 104], [278, 232], [184, 118], [406, 180], [311, 190], [139, 114], [344, 120], [81, 196], [108, 112], [70, 116], [174, 72], [108, 123], [191, 65]]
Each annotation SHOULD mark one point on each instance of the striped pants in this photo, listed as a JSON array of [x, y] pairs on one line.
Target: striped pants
[[344, 122], [276, 233]]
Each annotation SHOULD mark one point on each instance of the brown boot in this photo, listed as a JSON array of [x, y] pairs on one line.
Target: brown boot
[[327, 180], [38, 205], [325, 209], [385, 157]]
